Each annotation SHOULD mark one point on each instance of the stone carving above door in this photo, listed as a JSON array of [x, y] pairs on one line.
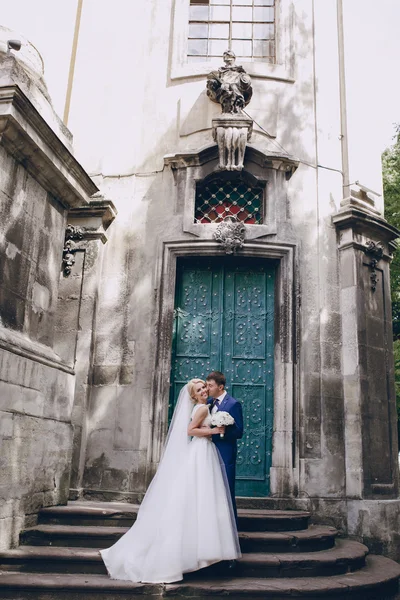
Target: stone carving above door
[[231, 87], [230, 234]]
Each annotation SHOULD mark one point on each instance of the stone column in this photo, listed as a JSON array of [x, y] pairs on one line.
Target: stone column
[[365, 242]]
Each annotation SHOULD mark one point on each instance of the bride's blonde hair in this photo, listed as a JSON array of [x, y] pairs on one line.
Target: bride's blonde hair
[[191, 385]]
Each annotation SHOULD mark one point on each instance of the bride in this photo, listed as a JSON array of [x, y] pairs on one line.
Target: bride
[[186, 520]]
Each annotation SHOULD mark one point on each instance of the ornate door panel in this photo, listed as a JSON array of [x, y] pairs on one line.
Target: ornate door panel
[[224, 320], [247, 361]]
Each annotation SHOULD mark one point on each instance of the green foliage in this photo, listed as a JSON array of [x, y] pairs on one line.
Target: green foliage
[[391, 187]]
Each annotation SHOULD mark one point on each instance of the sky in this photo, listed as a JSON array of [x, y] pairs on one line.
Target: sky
[[49, 25]]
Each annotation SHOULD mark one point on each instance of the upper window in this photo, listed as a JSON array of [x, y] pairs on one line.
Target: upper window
[[245, 26]]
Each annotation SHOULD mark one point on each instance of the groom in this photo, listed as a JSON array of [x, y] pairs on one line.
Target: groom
[[227, 446]]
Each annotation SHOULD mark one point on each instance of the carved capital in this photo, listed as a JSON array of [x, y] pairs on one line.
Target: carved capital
[[230, 234]]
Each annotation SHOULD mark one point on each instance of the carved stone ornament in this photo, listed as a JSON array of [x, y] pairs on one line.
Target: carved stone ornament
[[376, 250], [72, 234], [231, 135], [230, 233], [230, 87]]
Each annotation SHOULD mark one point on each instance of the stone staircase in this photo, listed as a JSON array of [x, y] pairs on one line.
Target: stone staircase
[[283, 557]]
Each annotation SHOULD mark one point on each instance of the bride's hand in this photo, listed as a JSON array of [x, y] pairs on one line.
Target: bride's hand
[[216, 430]]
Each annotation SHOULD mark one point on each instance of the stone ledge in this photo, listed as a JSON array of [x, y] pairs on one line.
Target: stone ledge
[[350, 217], [27, 137], [271, 160], [94, 218], [16, 343]]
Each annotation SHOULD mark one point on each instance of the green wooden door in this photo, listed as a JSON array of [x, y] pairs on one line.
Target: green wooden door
[[224, 320]]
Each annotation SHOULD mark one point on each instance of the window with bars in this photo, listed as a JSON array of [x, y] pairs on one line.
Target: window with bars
[[245, 26], [229, 196]]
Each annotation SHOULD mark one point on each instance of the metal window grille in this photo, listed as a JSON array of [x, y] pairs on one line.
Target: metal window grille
[[234, 197], [245, 26]]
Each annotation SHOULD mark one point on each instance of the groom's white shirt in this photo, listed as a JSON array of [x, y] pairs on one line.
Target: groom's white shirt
[[220, 398]]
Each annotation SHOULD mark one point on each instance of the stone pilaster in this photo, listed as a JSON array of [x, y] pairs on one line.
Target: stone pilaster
[[86, 235], [365, 243]]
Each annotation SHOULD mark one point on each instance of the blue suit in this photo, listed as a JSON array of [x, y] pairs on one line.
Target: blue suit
[[227, 445]]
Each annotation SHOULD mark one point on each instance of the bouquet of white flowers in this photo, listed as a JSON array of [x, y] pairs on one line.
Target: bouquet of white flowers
[[220, 418]]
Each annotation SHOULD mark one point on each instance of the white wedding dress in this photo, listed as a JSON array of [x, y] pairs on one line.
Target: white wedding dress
[[186, 520]]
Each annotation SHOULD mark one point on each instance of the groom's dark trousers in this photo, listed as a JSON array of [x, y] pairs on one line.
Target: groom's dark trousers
[[227, 445]]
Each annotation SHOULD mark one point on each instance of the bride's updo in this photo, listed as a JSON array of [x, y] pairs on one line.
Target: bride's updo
[[191, 385]]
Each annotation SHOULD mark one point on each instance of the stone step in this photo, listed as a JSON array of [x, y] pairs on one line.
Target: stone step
[[377, 581], [272, 520], [48, 559], [308, 540], [273, 503], [120, 514], [72, 536], [344, 557], [109, 514]]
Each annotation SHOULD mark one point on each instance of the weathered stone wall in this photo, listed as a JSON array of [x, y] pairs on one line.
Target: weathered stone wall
[[36, 436], [39, 182], [32, 225], [35, 396]]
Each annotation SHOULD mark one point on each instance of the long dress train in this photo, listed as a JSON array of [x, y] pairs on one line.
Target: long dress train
[[186, 524]]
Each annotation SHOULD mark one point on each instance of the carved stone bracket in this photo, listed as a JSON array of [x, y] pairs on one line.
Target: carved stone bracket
[[72, 234], [376, 251], [90, 224], [230, 233], [231, 133]]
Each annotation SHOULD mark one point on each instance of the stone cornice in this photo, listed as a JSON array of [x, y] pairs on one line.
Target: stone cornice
[[27, 137], [365, 221], [94, 218], [99, 208], [17, 343], [277, 161]]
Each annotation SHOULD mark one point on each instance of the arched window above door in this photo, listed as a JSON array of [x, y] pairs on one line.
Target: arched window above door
[[229, 195]]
